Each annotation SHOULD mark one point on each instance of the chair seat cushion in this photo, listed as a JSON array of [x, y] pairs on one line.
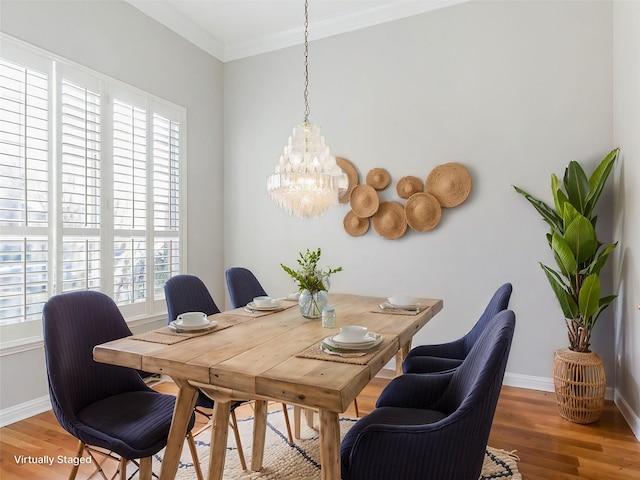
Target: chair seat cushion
[[429, 364], [386, 416], [137, 422]]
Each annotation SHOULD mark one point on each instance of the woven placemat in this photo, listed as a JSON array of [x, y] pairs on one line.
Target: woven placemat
[[315, 352], [389, 310], [168, 336], [247, 312]]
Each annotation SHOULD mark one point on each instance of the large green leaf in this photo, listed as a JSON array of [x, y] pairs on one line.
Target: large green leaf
[[600, 259], [549, 215], [569, 214], [567, 303], [581, 238], [563, 255], [559, 198], [598, 178], [603, 304], [576, 184], [589, 297]]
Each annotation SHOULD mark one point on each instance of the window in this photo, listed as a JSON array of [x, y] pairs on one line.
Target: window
[[89, 186]]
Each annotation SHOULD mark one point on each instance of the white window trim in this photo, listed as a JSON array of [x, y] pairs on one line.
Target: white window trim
[[24, 333]]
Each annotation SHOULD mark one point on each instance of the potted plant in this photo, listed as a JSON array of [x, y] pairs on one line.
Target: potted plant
[[313, 283], [579, 258]]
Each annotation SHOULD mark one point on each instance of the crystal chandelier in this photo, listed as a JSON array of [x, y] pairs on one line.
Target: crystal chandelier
[[307, 181]]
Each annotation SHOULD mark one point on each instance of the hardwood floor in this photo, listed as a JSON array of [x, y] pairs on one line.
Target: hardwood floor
[[549, 447]]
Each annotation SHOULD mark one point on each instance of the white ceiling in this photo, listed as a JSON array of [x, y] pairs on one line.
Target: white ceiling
[[233, 29]]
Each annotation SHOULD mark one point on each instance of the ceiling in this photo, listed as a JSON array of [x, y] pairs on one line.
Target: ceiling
[[233, 29]]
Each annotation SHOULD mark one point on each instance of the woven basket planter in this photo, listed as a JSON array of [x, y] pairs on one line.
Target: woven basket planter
[[580, 385]]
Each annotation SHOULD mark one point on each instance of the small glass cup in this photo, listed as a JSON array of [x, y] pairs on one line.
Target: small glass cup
[[329, 317]]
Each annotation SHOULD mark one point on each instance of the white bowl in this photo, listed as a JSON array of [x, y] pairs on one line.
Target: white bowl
[[353, 333], [402, 301], [192, 319], [263, 301]]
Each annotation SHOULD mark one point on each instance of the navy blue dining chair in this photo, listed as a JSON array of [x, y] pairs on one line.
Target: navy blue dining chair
[[109, 409], [433, 426], [188, 293], [243, 287], [445, 356]]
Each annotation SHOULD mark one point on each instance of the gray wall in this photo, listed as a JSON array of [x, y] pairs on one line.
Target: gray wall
[[626, 75], [513, 90]]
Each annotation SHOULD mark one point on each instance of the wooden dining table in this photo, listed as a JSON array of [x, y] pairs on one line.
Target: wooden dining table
[[266, 356]]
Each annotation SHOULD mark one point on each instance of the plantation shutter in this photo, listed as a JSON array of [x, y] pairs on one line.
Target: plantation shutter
[[166, 206], [130, 192], [80, 185], [24, 188], [89, 186]]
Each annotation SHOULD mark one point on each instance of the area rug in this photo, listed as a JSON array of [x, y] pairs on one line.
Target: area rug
[[302, 460]]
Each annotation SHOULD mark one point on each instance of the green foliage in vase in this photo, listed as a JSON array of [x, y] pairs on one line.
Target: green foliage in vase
[[578, 253], [309, 276]]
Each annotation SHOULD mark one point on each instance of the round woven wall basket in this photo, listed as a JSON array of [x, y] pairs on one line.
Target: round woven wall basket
[[580, 385]]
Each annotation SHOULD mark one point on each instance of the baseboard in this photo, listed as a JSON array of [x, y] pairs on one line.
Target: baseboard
[[632, 419], [544, 384], [24, 410]]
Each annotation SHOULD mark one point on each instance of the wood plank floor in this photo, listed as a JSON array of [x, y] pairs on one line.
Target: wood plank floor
[[549, 447]]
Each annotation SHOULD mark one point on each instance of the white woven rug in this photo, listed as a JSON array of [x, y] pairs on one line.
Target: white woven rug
[[302, 460]]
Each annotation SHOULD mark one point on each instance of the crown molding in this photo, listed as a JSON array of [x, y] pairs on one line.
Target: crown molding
[[347, 22], [171, 18], [328, 27]]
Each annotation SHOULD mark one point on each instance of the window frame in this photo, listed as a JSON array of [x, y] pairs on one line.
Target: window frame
[[151, 309]]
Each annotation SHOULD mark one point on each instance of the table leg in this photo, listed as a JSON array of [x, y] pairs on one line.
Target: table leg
[[182, 412], [219, 434], [259, 434], [401, 355], [296, 421], [329, 445]]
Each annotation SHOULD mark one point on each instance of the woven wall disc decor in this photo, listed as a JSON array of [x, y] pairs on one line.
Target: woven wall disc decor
[[364, 200], [423, 211], [447, 185], [354, 225], [378, 178], [352, 174], [390, 220], [408, 185], [450, 183]]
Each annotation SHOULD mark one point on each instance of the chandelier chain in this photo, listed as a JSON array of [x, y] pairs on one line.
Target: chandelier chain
[[306, 61]]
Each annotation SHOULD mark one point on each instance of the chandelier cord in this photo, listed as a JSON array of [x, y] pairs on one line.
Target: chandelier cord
[[306, 61]]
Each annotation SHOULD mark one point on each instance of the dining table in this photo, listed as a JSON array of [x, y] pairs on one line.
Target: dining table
[[270, 355]]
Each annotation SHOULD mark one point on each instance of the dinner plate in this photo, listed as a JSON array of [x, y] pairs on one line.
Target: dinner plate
[[340, 340], [177, 326], [253, 306], [374, 343]]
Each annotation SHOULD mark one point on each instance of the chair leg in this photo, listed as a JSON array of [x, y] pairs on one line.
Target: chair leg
[[122, 468], [308, 414], [194, 455], [145, 469], [287, 422], [236, 433], [355, 404], [74, 470]]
